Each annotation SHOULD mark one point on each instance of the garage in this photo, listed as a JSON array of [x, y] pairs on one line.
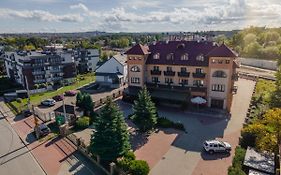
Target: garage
[[215, 103]]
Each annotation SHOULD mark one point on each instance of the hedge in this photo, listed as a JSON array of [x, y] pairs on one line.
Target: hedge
[[166, 123], [83, 122]]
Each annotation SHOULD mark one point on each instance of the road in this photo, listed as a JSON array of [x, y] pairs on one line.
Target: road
[[15, 158]]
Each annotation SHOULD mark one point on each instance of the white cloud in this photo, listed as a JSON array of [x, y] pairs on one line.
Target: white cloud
[[80, 6], [39, 15]]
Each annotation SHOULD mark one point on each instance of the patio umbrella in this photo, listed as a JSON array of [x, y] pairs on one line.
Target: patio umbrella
[[198, 100]]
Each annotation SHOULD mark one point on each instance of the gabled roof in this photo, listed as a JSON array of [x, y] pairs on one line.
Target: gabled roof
[[138, 50], [222, 51]]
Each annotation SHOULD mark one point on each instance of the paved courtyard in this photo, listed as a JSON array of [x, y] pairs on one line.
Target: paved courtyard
[[182, 153]]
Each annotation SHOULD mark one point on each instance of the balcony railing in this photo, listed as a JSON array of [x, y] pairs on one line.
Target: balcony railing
[[55, 71], [183, 74], [39, 81], [38, 72], [185, 88], [169, 73], [198, 75], [155, 72]]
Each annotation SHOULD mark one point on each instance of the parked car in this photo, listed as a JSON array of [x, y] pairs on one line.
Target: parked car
[[48, 102], [43, 130], [58, 97], [70, 93], [27, 113], [212, 146]]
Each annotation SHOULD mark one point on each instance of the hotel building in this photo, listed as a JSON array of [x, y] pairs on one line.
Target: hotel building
[[176, 71]]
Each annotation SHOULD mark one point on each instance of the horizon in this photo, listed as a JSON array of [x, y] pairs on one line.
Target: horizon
[[132, 16]]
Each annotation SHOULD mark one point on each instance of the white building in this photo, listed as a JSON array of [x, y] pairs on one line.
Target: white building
[[86, 59], [113, 72]]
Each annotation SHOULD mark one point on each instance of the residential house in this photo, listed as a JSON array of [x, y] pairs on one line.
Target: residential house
[[176, 71], [113, 72]]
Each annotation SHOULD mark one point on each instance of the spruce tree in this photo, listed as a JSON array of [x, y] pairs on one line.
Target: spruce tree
[[79, 99], [144, 111], [88, 104], [111, 138]]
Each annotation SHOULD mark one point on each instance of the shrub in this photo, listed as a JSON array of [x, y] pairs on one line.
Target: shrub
[[247, 139], [83, 122], [130, 156], [235, 171], [139, 167], [19, 100], [166, 123]]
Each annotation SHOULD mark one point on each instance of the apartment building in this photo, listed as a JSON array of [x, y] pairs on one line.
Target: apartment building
[[86, 59], [45, 67], [176, 71]]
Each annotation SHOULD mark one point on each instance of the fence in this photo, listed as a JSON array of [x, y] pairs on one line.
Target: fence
[[115, 94], [265, 64], [82, 148], [254, 77]]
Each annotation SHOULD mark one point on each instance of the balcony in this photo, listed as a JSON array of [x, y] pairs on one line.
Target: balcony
[[198, 75], [55, 71], [185, 88], [183, 74], [155, 72], [39, 81], [56, 78], [38, 72], [169, 73]]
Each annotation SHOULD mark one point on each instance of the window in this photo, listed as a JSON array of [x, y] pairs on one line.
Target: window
[[220, 61], [135, 80], [218, 87], [135, 69], [199, 70], [227, 61], [183, 69], [198, 83], [117, 69], [170, 56], [168, 80], [200, 57], [155, 80], [156, 68], [183, 81], [219, 74], [213, 61], [156, 56], [184, 56], [169, 69]]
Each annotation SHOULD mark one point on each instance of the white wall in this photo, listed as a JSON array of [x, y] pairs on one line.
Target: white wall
[[265, 64], [93, 63]]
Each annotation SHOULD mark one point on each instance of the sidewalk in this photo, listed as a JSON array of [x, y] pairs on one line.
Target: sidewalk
[[55, 156]]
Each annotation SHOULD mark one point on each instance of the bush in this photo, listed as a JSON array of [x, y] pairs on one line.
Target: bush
[[247, 139], [139, 167], [130, 156], [83, 122], [237, 162], [166, 123], [19, 100], [235, 171]]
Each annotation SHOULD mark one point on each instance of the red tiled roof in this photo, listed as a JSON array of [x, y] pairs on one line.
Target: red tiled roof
[[178, 48], [138, 50], [222, 51]]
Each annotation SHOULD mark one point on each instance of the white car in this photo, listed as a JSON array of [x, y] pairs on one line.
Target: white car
[[48, 102], [212, 146]]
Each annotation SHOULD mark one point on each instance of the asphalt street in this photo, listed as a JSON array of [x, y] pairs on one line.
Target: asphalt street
[[15, 159]]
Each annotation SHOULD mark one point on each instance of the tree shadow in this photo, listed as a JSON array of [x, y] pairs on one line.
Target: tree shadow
[[138, 139]]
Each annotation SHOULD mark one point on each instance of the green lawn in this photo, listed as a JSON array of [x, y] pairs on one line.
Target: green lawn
[[37, 98]]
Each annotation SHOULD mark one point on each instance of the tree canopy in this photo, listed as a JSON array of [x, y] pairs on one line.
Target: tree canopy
[[111, 138]]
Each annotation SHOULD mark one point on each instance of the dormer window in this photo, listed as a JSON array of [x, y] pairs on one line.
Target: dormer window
[[184, 56], [156, 56], [135, 69], [200, 57], [170, 56]]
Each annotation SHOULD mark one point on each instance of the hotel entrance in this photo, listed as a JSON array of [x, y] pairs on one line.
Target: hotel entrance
[[215, 103]]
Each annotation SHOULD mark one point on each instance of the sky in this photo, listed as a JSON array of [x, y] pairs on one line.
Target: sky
[[17, 16]]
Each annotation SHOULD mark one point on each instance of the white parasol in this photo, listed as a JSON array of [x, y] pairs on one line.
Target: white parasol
[[198, 100]]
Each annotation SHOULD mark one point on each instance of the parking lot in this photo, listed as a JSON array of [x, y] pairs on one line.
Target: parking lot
[[184, 156]]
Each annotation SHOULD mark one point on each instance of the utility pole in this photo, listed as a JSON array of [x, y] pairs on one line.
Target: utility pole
[[64, 112], [28, 94]]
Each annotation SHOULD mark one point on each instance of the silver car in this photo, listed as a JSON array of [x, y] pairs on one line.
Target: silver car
[[48, 102]]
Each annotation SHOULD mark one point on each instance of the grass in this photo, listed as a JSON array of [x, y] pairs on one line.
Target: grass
[[35, 99]]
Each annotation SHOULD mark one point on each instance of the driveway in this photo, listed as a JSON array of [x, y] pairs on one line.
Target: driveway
[[184, 156]]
